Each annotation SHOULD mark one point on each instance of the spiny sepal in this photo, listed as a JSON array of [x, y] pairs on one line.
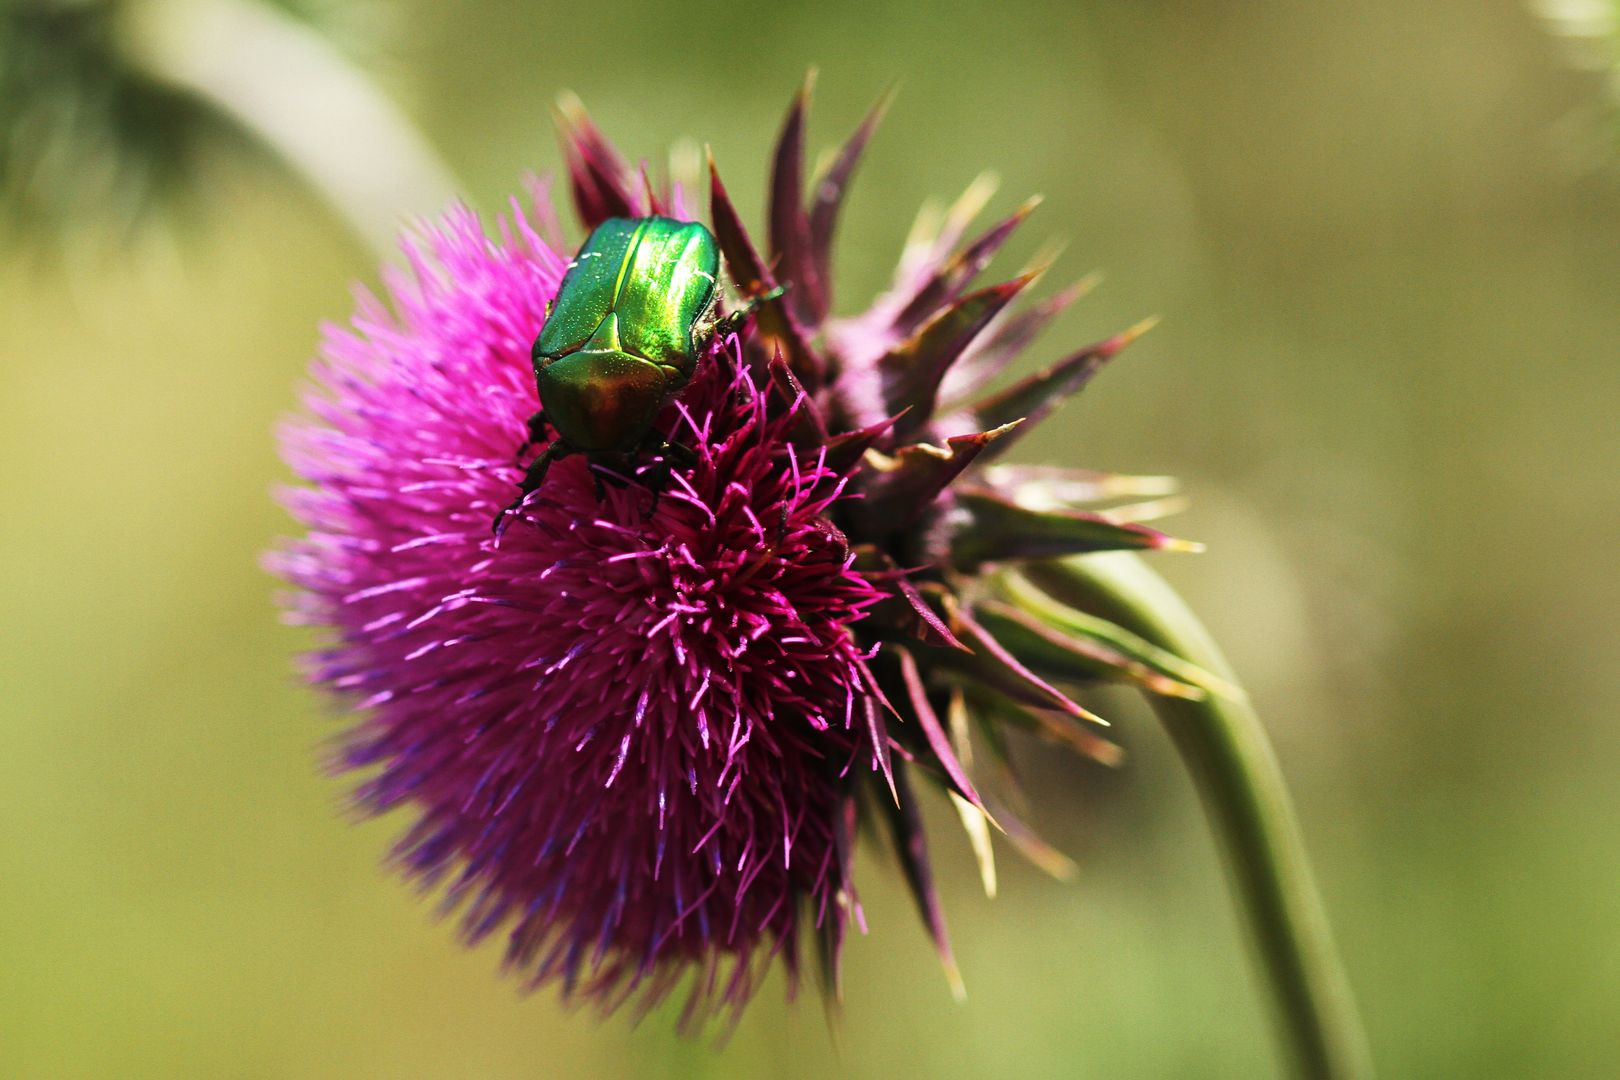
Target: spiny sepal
[[987, 526], [1131, 658], [905, 822], [911, 372], [602, 182], [899, 490], [754, 278], [1033, 399]]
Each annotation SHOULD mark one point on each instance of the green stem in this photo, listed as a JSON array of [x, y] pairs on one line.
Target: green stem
[[1223, 745], [294, 92]]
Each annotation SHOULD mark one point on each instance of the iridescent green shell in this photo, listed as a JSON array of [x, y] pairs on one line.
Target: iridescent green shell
[[656, 274], [623, 332]]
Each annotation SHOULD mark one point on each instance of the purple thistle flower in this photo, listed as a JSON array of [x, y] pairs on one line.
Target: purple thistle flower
[[637, 736]]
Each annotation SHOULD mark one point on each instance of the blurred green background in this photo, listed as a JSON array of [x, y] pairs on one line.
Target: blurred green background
[[1387, 374]]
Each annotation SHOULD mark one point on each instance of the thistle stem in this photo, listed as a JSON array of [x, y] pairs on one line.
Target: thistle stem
[[1223, 745], [291, 90]]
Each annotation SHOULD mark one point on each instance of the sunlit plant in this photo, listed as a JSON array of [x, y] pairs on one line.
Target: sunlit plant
[[650, 581]]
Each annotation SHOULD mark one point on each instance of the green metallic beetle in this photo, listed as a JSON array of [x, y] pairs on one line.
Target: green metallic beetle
[[631, 318]]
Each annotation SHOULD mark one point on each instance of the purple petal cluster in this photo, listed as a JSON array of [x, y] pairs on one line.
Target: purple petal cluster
[[624, 726]]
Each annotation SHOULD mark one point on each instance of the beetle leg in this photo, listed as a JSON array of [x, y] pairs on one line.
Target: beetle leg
[[729, 324], [681, 454], [537, 427], [670, 454], [532, 479], [537, 432], [596, 477]]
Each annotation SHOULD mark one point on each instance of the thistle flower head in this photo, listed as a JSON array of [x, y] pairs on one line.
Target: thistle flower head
[[637, 733]]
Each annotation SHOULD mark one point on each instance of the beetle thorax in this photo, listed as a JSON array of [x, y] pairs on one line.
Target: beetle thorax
[[602, 400]]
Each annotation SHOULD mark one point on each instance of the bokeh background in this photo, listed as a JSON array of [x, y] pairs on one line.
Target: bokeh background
[[1388, 374]]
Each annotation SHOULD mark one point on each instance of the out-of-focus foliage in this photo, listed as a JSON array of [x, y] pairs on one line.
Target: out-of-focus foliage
[[1386, 376], [92, 140], [1589, 31], [86, 140]]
